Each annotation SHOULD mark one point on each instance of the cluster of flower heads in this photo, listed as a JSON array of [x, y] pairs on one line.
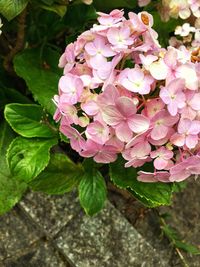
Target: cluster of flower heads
[[121, 93], [188, 36], [176, 8]]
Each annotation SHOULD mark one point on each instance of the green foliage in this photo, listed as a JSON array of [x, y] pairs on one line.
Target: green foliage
[[28, 157], [41, 74], [92, 189], [9, 95], [151, 194], [176, 240], [60, 176], [58, 9], [28, 120], [75, 19], [109, 5], [11, 8], [11, 189]]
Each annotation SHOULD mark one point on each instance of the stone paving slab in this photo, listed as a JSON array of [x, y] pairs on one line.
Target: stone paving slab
[[106, 240], [16, 234], [41, 255], [51, 212], [53, 231]]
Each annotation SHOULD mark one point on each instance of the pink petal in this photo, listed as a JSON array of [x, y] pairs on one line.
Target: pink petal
[[178, 139], [111, 115], [138, 123], [159, 132], [160, 163], [146, 177], [123, 132], [126, 106], [191, 141]]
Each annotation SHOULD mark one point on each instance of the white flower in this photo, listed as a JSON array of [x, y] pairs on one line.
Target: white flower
[[184, 30], [0, 25]]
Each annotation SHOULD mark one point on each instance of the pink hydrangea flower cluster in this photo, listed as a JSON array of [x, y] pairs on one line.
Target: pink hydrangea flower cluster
[[121, 93]]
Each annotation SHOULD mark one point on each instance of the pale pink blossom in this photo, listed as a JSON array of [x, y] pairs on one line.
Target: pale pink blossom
[[173, 96], [119, 38], [136, 81], [122, 116], [148, 177], [161, 124], [97, 132], [100, 153], [185, 169], [161, 157], [77, 142], [71, 86], [187, 133]]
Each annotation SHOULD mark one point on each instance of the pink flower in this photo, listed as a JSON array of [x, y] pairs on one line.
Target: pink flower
[[173, 95], [99, 51], [77, 142], [120, 38], [187, 133], [162, 157], [127, 110], [189, 111], [67, 60], [161, 124], [148, 177], [97, 132], [136, 81], [152, 107], [114, 17], [100, 153], [184, 169], [71, 87], [122, 116], [188, 72], [142, 3]]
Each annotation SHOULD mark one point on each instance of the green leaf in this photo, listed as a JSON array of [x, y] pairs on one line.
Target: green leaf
[[11, 8], [92, 191], [175, 238], [9, 95], [28, 120], [11, 189], [41, 74], [63, 138], [28, 157], [151, 194], [58, 9], [60, 176], [109, 5], [75, 19]]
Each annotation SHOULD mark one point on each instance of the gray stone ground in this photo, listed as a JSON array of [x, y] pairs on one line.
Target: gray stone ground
[[53, 231], [46, 231]]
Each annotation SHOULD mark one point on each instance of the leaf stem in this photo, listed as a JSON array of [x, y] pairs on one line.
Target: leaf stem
[[19, 43]]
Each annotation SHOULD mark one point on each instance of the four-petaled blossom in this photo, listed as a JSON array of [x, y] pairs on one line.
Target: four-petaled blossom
[[71, 87], [136, 81], [187, 133], [120, 38], [122, 116], [173, 96], [162, 157]]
